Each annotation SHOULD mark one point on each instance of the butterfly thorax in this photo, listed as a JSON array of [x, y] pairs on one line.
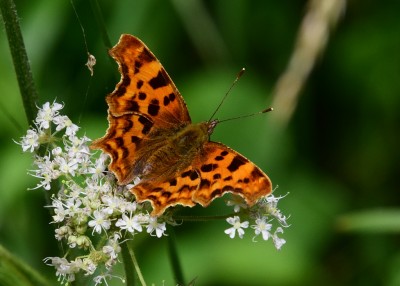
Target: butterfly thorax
[[173, 151]]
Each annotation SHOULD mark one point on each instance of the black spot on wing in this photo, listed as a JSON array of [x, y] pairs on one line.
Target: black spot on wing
[[208, 167], [153, 107], [125, 152], [125, 81], [142, 96], [216, 192], [132, 105], [204, 183], [166, 194], [146, 56], [236, 163], [216, 176], [137, 67], [224, 153], [135, 140], [120, 91], [228, 178], [147, 124], [128, 125], [227, 189], [192, 174], [159, 80], [119, 142], [256, 173], [166, 100], [113, 153], [139, 84], [173, 182]]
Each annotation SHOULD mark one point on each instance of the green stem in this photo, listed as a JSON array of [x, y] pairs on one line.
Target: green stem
[[173, 255], [137, 268], [203, 218], [130, 263], [20, 58]]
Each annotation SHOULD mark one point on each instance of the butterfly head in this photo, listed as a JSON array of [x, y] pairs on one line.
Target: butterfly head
[[211, 126]]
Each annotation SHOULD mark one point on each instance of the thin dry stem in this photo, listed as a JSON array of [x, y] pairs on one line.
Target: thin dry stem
[[320, 18]]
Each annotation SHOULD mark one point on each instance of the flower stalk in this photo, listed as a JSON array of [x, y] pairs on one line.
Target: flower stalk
[[19, 57]]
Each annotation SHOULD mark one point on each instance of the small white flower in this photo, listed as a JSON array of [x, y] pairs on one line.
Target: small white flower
[[154, 225], [46, 171], [46, 114], [99, 166], [63, 268], [30, 141], [99, 279], [77, 148], [59, 211], [55, 261], [263, 228], [130, 223], [63, 121], [112, 203], [72, 206], [67, 167], [237, 202], [56, 151], [112, 249], [88, 266], [279, 242], [236, 226], [46, 167], [100, 221]]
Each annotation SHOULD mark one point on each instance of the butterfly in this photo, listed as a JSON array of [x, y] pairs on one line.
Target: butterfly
[[151, 140]]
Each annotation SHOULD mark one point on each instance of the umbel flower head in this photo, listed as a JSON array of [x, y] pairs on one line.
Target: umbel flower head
[[89, 207]]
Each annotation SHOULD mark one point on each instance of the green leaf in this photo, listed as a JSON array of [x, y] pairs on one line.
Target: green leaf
[[15, 272]]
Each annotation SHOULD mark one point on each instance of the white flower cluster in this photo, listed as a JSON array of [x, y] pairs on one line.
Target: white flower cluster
[[263, 214], [89, 205]]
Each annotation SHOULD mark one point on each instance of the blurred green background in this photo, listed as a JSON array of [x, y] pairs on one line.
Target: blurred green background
[[338, 158]]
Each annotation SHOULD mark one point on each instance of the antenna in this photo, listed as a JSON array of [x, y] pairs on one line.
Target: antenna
[[247, 115], [226, 94]]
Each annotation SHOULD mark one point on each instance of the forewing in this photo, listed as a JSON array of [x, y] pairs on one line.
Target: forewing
[[145, 87], [123, 139], [144, 100]]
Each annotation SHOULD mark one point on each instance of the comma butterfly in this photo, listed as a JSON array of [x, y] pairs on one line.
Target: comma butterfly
[[151, 137]]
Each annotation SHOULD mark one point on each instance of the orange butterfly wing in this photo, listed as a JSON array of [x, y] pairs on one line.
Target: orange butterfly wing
[[215, 171], [144, 98]]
